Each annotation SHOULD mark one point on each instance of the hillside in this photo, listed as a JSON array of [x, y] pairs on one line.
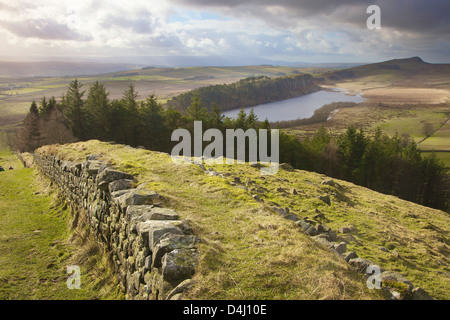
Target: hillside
[[397, 81], [248, 92], [250, 251], [59, 68], [396, 69]]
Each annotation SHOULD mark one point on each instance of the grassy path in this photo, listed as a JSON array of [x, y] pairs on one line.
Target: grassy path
[[34, 242]]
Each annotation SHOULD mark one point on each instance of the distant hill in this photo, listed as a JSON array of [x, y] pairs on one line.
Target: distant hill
[[60, 68], [397, 67], [222, 61]]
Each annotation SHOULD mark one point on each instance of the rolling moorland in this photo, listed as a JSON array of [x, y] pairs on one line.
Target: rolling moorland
[[16, 93], [407, 97]]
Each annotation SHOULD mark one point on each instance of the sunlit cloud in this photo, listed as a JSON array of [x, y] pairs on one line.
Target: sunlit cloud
[[288, 30]]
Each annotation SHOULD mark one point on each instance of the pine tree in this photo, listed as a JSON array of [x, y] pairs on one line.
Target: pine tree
[[215, 117], [73, 109], [131, 120], [352, 146], [117, 115], [241, 120], [252, 120], [265, 124], [47, 107], [154, 133], [43, 107], [173, 119], [34, 109], [196, 111], [98, 108]]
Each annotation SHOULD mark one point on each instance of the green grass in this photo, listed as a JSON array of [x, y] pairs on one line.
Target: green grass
[[36, 245], [249, 252], [414, 124], [440, 140], [10, 107]]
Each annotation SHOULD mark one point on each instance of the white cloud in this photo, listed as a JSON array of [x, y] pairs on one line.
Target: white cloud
[[294, 30]]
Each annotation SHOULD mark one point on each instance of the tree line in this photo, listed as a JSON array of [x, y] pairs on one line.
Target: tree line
[[248, 92], [83, 115], [391, 165]]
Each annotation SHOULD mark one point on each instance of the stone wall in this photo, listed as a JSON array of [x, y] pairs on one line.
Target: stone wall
[[154, 253]]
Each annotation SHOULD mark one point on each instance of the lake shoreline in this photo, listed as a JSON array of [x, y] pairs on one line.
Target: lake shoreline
[[298, 108], [321, 115]]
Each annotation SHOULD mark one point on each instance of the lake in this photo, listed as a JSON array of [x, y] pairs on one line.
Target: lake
[[297, 108]]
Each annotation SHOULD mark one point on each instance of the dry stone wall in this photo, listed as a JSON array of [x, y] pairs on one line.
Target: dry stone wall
[[154, 253]]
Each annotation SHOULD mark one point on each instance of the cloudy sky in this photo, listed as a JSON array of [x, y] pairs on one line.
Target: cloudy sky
[[281, 30]]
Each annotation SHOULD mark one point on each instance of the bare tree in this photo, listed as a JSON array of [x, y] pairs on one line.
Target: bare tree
[[28, 136], [55, 131]]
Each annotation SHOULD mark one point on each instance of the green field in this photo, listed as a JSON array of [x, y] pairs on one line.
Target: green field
[[414, 124], [414, 127], [439, 140], [37, 243]]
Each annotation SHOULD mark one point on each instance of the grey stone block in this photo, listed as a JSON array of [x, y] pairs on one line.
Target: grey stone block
[[179, 264], [155, 229], [169, 242]]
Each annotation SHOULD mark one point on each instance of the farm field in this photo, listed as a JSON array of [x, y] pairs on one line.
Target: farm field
[[439, 140]]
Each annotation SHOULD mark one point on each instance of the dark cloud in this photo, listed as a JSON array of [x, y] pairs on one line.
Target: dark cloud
[[419, 16], [409, 27], [46, 29], [304, 5]]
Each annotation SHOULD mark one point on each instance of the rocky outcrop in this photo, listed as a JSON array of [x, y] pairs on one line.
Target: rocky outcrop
[[154, 253]]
